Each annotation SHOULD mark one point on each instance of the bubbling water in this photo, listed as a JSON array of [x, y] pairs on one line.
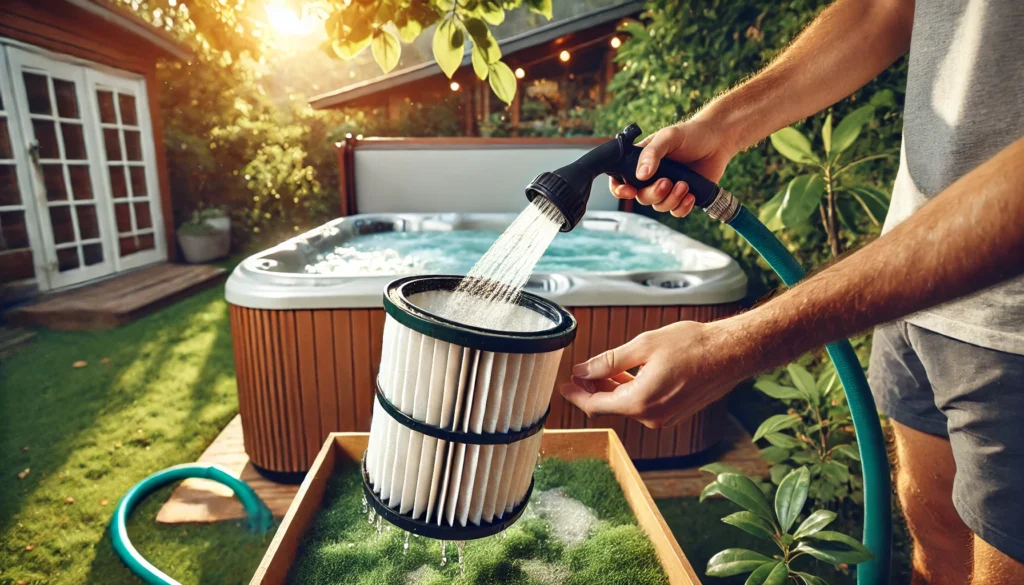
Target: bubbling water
[[489, 294]]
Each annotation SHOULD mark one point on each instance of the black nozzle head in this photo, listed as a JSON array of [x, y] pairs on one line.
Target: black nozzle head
[[570, 200]]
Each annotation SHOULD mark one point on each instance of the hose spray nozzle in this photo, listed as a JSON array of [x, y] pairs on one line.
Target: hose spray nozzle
[[568, 188]]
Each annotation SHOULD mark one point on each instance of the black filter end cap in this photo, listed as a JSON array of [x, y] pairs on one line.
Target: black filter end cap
[[570, 200]]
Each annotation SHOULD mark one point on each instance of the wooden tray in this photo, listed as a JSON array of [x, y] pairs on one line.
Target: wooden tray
[[344, 449]]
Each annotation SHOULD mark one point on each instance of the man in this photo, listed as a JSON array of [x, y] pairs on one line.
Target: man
[[948, 363]]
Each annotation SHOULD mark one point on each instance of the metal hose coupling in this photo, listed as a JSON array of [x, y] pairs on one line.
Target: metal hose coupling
[[723, 207]]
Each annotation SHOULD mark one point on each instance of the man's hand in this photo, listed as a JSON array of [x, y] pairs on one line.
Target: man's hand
[[684, 368], [696, 143]]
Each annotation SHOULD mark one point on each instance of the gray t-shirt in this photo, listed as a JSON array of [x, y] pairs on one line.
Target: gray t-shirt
[[964, 103]]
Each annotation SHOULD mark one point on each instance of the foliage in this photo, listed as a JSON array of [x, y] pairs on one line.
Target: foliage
[[844, 199], [682, 53], [778, 524], [386, 24], [817, 431]]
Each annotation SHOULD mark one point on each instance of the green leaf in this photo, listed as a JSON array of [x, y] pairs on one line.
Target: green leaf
[[502, 81], [791, 496], [448, 43], [774, 424], [811, 579], [386, 49], [874, 201], [793, 145], [803, 194], [347, 48], [827, 382], [718, 468], [783, 440], [479, 63], [542, 7], [733, 561], [777, 391], [774, 454], [779, 472], [751, 524], [769, 212], [814, 523], [826, 133], [741, 490], [709, 490], [778, 576], [493, 13], [846, 209], [849, 129], [635, 28], [837, 471], [761, 573], [483, 39], [409, 29], [804, 381], [883, 99], [847, 451], [835, 548]]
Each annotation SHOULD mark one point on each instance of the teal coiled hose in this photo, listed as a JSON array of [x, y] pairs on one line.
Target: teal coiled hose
[[260, 518], [874, 459]]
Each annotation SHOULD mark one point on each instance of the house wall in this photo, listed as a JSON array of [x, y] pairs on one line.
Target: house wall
[[64, 28]]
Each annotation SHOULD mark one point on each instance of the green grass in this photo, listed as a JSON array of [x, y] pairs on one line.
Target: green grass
[[154, 393], [342, 547]]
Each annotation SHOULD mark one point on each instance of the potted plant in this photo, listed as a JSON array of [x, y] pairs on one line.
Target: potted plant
[[205, 236]]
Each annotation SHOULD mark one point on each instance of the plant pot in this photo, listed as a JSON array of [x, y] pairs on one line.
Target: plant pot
[[200, 247], [342, 451], [220, 223]]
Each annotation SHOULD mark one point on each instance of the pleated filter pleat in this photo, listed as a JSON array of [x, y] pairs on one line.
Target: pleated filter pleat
[[462, 389]]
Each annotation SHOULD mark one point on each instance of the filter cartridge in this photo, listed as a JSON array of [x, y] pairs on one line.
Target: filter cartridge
[[455, 431]]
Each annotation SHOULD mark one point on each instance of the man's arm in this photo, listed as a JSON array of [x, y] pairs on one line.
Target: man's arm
[[846, 46], [967, 238]]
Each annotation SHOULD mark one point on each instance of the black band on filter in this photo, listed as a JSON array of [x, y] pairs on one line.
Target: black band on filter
[[441, 532], [467, 438]]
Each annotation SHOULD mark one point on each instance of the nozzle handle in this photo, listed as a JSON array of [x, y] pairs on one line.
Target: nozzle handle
[[704, 190]]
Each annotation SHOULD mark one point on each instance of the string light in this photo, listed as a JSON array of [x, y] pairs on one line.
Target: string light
[[616, 43], [564, 56], [520, 73], [455, 86]]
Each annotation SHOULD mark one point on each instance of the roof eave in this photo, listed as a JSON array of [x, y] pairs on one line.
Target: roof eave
[[136, 26]]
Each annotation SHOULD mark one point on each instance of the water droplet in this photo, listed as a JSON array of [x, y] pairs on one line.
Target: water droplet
[[371, 517], [444, 556], [406, 547], [504, 535], [380, 525], [366, 505]]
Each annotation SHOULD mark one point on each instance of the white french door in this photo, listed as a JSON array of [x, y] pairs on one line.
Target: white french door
[[87, 173]]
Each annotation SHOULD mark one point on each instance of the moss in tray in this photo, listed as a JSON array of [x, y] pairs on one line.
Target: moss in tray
[[577, 530]]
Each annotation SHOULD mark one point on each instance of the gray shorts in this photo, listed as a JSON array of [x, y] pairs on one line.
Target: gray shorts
[[975, 397]]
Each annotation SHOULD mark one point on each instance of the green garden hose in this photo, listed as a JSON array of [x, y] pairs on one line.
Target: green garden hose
[[874, 459], [260, 518]]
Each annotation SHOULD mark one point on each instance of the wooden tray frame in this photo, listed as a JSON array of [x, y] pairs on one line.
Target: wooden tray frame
[[342, 449]]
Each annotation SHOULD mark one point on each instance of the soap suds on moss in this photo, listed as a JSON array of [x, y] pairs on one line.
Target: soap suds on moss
[[571, 521]]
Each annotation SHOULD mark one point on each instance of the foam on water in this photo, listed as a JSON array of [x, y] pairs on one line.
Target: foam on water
[[489, 294]]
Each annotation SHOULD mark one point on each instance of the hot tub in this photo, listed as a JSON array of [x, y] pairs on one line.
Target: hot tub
[[307, 317]]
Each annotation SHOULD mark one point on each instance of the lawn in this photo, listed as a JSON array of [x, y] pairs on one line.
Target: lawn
[[153, 393]]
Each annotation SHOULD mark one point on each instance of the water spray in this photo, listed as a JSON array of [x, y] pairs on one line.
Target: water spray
[[568, 188]]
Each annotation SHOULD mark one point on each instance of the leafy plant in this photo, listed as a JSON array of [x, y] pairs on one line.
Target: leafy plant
[[778, 524], [826, 188], [196, 224], [816, 432], [385, 24]]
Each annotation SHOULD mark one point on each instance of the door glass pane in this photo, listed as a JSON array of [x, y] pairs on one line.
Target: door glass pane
[[112, 144], [67, 259], [53, 181], [81, 187], [46, 135], [38, 91], [138, 181], [118, 185], [93, 254], [9, 194], [60, 221], [16, 266], [128, 245], [132, 145], [67, 101], [88, 228], [108, 115], [142, 219], [13, 233], [74, 143], [5, 141], [127, 103], [123, 213], [146, 242]]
